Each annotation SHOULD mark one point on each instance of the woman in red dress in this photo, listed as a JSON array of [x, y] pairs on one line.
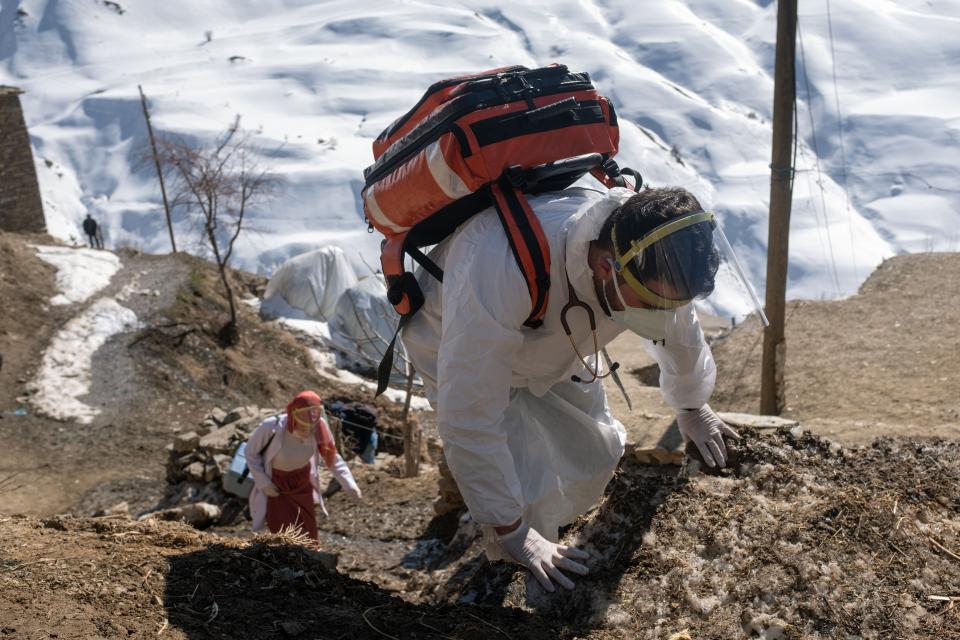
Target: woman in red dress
[[284, 455]]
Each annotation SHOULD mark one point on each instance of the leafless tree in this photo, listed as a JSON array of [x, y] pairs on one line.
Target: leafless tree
[[218, 181]]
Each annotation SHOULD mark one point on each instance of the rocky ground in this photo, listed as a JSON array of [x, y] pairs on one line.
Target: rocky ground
[[802, 538]]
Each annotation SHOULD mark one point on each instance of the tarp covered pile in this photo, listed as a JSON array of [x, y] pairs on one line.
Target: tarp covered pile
[[322, 286]]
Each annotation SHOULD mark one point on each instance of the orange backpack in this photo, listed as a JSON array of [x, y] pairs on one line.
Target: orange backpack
[[480, 140]]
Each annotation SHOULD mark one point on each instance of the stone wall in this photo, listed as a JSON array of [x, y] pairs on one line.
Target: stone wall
[[20, 205]]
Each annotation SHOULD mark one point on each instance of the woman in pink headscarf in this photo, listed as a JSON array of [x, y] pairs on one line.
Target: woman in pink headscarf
[[284, 455]]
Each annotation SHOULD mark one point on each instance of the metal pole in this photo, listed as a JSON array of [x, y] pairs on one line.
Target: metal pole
[[156, 162], [781, 194]]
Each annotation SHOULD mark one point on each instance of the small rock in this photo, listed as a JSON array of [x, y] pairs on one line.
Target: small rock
[[196, 471], [186, 442], [251, 412], [210, 472], [757, 422], [119, 509], [222, 461], [233, 416], [292, 627], [221, 440], [183, 461], [199, 515], [218, 415]]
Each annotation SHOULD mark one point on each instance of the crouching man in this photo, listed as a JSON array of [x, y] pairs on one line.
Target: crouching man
[[525, 425]]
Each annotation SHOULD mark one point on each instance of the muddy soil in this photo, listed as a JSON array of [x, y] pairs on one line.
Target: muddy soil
[[799, 539]]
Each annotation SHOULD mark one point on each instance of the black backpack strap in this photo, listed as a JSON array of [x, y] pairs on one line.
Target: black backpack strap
[[428, 265], [405, 284], [528, 243], [386, 363], [246, 467]]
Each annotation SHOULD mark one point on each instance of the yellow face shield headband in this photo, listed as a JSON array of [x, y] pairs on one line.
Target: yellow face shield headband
[[308, 417], [637, 247]]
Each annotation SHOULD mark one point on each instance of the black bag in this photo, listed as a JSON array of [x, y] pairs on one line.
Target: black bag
[[358, 423]]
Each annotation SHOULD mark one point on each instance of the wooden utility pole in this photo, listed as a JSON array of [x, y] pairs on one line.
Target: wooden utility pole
[[156, 162], [781, 195]]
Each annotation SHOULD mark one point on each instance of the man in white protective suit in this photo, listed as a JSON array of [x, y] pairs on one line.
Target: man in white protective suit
[[522, 414]]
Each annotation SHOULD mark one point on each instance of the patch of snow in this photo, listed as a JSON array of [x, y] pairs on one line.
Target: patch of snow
[[80, 272], [64, 375]]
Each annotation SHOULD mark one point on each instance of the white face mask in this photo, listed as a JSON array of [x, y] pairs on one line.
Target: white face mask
[[646, 323]]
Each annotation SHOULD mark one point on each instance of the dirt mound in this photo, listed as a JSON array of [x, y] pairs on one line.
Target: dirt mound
[[84, 578], [26, 320], [882, 362], [799, 539]]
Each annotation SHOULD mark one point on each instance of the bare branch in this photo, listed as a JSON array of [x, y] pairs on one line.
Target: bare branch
[[219, 182]]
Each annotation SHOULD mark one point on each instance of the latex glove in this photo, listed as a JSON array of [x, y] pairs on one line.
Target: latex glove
[[542, 557], [354, 493], [271, 491], [706, 429]]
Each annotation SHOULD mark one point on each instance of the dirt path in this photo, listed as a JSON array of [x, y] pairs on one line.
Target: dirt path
[[121, 450]]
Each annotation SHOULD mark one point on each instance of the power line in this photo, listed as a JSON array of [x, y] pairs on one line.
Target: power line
[[816, 156], [813, 208], [843, 152]]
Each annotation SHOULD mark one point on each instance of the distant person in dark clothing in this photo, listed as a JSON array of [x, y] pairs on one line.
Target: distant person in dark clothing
[[92, 229]]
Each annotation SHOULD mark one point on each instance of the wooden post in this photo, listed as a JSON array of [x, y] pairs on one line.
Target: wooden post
[[336, 428], [411, 433], [781, 194], [156, 162]]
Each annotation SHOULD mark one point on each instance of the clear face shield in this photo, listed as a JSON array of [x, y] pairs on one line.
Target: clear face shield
[[685, 259], [306, 419]]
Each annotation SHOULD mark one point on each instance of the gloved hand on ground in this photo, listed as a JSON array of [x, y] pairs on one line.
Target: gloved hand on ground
[[706, 430], [545, 559], [354, 492], [271, 491]]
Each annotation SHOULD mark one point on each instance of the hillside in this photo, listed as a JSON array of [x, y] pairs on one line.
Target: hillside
[[146, 383], [881, 362], [800, 538]]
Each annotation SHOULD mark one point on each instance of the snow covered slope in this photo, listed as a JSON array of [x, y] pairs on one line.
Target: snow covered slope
[[692, 81]]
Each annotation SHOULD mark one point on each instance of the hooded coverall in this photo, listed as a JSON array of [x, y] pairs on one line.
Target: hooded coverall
[[521, 438]]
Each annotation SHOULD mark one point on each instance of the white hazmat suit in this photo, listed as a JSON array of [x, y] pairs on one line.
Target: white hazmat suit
[[521, 438]]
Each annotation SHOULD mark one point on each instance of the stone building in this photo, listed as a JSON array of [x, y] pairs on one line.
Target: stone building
[[20, 205]]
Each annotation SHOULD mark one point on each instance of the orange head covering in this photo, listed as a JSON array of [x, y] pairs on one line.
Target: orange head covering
[[328, 450]]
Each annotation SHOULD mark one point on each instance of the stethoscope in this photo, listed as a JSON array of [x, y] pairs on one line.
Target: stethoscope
[[594, 371]]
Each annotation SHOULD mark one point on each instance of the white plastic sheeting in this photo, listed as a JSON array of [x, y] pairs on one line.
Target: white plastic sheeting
[[308, 286], [364, 323]]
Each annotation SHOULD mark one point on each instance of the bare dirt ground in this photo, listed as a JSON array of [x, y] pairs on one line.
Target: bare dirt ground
[[882, 362], [802, 538]]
